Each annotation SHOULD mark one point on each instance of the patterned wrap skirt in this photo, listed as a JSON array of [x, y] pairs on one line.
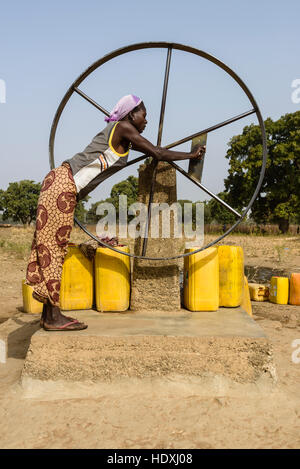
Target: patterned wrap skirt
[[54, 222]]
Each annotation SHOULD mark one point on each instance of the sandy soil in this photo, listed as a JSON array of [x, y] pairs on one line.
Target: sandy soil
[[141, 419]]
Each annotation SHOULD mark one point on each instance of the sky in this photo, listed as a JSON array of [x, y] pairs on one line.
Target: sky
[[45, 46]]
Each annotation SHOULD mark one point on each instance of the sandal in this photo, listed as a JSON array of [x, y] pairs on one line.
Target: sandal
[[66, 327], [42, 319]]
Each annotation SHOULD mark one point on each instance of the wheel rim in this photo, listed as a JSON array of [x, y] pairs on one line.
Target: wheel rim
[[170, 46]]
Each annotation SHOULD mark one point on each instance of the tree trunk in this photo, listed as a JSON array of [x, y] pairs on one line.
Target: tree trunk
[[283, 225]]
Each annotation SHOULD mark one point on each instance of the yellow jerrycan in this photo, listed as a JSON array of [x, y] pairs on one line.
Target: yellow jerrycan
[[30, 305], [246, 301], [259, 292], [112, 279], [279, 290], [294, 298], [231, 271], [201, 280], [76, 290]]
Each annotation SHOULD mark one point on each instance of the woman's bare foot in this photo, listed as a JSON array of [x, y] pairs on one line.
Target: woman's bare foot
[[44, 316], [53, 320]]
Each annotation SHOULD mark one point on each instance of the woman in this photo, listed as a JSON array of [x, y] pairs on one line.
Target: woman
[[71, 182]]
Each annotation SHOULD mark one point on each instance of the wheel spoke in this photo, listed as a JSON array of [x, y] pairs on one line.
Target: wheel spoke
[[91, 101], [210, 129], [159, 137], [136, 160], [164, 97], [182, 171]]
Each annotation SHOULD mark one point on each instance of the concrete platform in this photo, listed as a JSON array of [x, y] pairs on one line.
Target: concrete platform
[[211, 348]]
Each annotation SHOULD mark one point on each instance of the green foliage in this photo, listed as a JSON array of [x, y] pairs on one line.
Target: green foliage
[[128, 187], [219, 213], [185, 201], [80, 211], [208, 214], [1, 199], [279, 199], [212, 211], [91, 216], [207, 210], [20, 200]]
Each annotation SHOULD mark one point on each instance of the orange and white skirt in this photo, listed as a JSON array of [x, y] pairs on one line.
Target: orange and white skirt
[[54, 222]]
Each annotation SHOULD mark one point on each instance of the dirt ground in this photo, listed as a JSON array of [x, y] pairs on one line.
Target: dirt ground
[[139, 418]]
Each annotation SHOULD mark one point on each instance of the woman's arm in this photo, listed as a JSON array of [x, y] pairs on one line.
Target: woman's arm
[[139, 143]]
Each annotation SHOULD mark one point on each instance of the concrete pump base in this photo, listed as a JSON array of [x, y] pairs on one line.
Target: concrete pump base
[[213, 351]]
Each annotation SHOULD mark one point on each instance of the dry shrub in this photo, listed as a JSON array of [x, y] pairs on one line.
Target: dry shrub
[[247, 228]]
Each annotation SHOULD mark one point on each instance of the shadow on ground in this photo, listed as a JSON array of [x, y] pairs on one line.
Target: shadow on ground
[[261, 274], [18, 341]]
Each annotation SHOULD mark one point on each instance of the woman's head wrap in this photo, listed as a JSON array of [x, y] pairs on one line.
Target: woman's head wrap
[[123, 107]]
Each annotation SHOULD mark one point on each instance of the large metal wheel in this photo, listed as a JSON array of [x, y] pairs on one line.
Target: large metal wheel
[[169, 47]]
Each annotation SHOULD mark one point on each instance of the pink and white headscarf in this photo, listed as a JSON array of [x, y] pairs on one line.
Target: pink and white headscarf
[[123, 107]]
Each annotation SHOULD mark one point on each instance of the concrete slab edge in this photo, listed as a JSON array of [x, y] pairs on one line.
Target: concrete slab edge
[[208, 385]]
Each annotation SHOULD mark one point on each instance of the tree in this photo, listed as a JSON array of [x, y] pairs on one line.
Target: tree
[[80, 211], [219, 213], [20, 200], [207, 210], [279, 198], [91, 216], [1, 199], [128, 187]]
